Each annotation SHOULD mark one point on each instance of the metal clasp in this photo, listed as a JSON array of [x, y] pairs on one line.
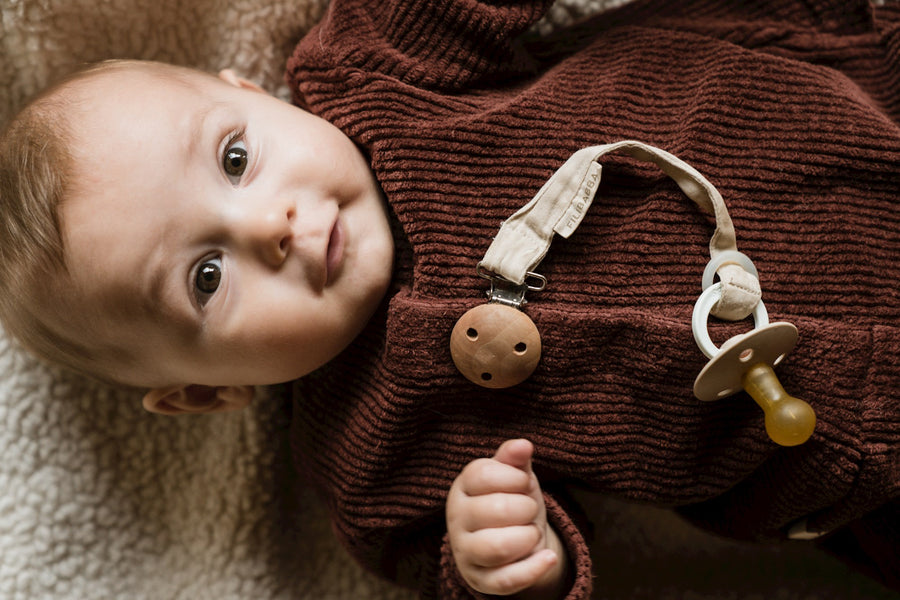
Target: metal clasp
[[506, 292]]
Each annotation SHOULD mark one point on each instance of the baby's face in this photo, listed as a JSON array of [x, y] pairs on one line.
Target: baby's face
[[224, 236]]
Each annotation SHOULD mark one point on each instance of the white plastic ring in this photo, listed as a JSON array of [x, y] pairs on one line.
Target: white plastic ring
[[724, 258], [699, 319]]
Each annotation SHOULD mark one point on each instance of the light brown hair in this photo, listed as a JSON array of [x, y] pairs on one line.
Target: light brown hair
[[36, 165]]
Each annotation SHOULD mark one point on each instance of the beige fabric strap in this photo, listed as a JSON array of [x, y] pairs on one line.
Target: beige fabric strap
[[561, 203]]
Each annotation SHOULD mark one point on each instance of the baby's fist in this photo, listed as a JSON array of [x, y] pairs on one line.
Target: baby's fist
[[498, 530]]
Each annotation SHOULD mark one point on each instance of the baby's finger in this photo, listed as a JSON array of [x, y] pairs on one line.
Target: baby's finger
[[487, 476], [490, 511], [516, 453], [489, 548], [515, 577]]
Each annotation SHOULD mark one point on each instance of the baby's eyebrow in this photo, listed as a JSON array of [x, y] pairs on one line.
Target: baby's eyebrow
[[197, 126]]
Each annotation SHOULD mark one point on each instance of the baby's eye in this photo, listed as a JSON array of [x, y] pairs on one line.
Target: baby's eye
[[207, 279], [234, 160]]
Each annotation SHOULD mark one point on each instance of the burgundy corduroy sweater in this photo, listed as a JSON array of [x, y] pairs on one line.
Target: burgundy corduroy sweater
[[791, 108]]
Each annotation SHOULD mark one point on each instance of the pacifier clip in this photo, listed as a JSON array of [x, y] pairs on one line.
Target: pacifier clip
[[496, 345]]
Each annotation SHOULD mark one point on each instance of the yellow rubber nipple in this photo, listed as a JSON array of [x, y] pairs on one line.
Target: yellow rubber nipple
[[789, 420]]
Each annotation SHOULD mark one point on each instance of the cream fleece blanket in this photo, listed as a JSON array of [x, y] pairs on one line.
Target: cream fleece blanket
[[100, 500]]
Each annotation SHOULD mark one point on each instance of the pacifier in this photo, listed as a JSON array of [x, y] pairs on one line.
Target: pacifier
[[746, 361]]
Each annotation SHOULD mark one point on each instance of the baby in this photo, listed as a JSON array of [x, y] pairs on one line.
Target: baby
[[191, 246], [195, 237]]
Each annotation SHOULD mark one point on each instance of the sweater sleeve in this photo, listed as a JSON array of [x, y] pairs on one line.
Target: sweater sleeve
[[436, 44], [454, 587]]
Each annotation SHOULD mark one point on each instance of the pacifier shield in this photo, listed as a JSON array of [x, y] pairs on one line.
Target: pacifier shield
[[495, 346]]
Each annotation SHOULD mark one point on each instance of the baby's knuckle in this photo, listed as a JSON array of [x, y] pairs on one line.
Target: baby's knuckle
[[499, 505], [514, 508], [475, 467], [496, 550], [478, 473], [533, 509]]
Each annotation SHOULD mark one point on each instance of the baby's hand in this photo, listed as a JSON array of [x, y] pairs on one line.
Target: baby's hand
[[498, 529]]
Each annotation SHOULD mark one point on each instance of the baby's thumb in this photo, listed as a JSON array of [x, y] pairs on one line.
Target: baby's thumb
[[516, 453]]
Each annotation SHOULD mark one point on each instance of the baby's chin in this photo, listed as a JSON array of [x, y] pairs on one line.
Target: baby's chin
[[368, 304], [350, 323], [369, 264]]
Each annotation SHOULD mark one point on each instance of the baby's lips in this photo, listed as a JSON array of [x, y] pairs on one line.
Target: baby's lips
[[334, 251]]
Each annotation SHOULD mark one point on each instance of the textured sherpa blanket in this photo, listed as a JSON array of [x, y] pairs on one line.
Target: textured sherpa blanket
[[101, 500]]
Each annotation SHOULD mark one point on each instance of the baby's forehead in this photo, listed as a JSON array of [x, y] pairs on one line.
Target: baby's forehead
[[121, 79], [125, 104]]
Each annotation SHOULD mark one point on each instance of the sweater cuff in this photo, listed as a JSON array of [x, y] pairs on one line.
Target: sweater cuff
[[579, 559], [579, 556]]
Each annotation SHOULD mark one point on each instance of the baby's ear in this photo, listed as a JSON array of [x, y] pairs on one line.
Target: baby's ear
[[197, 399], [229, 76]]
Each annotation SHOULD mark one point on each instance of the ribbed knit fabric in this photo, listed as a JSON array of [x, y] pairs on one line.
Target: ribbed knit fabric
[[790, 107]]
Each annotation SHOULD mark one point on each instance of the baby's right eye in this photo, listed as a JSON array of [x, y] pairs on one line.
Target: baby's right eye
[[234, 160], [207, 279]]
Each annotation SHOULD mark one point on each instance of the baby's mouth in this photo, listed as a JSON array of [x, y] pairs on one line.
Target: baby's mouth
[[335, 253]]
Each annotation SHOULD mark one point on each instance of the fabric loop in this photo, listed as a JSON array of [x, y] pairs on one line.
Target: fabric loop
[[740, 293], [561, 203]]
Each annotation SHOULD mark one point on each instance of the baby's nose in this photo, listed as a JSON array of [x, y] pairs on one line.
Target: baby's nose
[[270, 235]]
